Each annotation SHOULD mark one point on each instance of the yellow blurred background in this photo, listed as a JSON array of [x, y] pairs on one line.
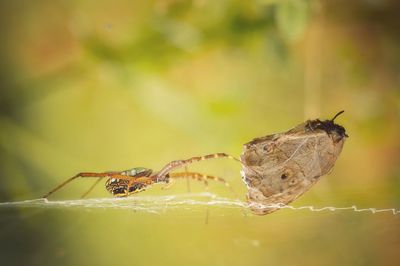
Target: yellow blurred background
[[111, 85]]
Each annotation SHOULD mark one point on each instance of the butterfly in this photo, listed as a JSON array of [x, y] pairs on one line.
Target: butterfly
[[279, 168]]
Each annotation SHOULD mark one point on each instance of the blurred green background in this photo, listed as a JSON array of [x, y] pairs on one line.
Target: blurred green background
[[110, 85]]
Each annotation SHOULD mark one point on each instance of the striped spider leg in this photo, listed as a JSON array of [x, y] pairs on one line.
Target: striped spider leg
[[198, 177], [162, 174]]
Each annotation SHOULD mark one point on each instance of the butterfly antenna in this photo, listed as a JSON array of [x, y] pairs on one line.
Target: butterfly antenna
[[341, 112]]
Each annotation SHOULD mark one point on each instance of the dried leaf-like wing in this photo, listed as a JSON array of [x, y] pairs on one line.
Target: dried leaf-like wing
[[279, 168]]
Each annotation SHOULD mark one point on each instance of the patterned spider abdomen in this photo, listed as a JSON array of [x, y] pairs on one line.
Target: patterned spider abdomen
[[117, 187]]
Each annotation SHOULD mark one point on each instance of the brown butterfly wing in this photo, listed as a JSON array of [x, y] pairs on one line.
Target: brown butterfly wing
[[279, 168]]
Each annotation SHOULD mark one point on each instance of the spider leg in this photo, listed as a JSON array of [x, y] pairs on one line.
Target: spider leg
[[187, 175], [187, 179], [88, 174], [168, 184], [91, 188], [180, 163], [201, 177], [190, 175]]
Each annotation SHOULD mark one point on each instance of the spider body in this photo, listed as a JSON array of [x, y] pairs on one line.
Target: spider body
[[122, 187], [131, 181]]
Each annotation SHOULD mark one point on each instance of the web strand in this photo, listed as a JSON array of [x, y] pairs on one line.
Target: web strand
[[159, 204]]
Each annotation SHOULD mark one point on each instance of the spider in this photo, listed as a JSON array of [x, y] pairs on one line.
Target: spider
[[128, 182]]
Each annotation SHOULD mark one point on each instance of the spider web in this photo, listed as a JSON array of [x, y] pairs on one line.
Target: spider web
[[160, 204]]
